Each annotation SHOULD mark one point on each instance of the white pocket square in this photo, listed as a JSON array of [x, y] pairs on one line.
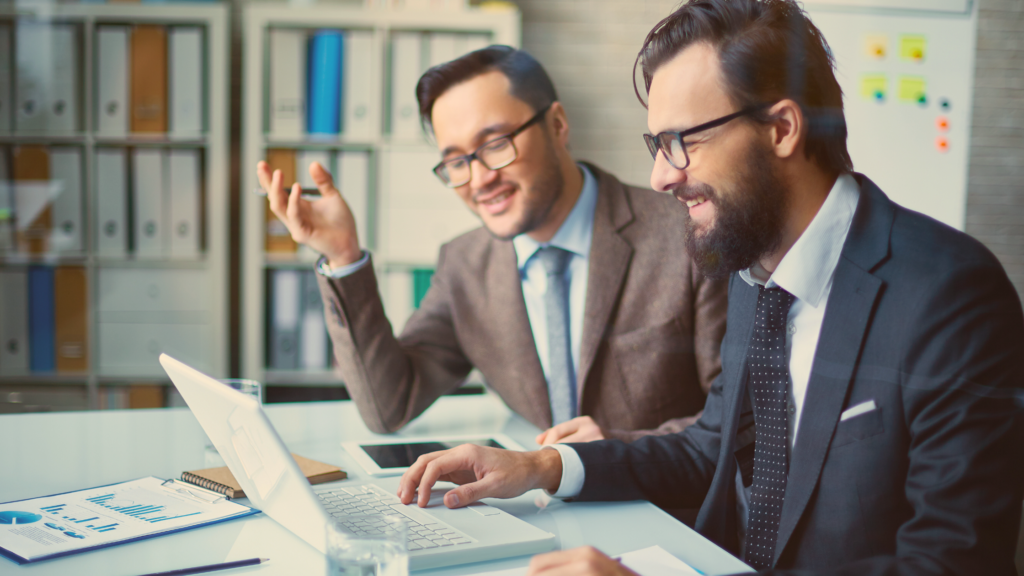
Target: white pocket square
[[862, 408]]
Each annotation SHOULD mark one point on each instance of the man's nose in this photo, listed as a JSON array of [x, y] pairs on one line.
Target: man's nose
[[664, 176], [480, 175]]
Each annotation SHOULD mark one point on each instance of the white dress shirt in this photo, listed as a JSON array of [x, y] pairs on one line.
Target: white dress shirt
[[806, 272], [574, 235]]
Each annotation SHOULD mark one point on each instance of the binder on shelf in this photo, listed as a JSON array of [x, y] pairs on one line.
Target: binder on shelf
[[304, 159], [112, 80], [41, 319], [277, 238], [32, 70], [111, 202], [442, 48], [287, 83], [357, 102], [325, 79], [33, 197], [421, 278], [406, 67], [63, 93], [7, 243], [149, 232], [71, 315], [14, 342], [6, 79], [66, 234], [148, 78], [286, 300], [353, 180], [186, 82], [314, 344], [183, 189]]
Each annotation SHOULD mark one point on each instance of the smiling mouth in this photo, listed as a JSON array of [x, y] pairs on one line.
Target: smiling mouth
[[497, 199], [695, 201]]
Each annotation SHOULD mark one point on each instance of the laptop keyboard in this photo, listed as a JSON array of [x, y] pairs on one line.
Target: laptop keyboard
[[360, 509]]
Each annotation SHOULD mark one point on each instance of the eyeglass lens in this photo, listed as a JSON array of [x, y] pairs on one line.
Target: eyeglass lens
[[493, 155]]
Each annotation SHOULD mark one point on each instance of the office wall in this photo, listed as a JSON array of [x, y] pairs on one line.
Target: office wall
[[588, 46]]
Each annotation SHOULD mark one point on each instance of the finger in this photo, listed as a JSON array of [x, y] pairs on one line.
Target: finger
[[556, 433], [411, 479], [276, 194], [551, 561], [468, 493], [294, 200], [264, 174], [448, 462], [322, 179], [541, 438]]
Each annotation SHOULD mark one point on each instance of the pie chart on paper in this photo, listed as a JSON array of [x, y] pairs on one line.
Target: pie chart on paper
[[11, 517]]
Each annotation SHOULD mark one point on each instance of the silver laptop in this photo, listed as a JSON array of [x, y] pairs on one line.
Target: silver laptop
[[259, 460]]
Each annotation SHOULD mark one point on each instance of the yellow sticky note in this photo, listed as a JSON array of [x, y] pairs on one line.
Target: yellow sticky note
[[913, 89], [913, 47], [876, 46], [874, 87]]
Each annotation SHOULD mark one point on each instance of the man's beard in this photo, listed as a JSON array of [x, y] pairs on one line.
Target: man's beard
[[748, 220], [544, 194]]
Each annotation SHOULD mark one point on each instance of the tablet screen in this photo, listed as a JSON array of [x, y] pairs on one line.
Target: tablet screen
[[403, 455]]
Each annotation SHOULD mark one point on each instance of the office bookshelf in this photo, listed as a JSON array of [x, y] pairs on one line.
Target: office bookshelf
[[126, 105], [379, 158]]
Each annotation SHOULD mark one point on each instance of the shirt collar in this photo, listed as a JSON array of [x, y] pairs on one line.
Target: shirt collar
[[575, 234], [806, 270]]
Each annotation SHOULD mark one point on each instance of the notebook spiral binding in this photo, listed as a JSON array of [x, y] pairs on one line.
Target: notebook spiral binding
[[207, 483]]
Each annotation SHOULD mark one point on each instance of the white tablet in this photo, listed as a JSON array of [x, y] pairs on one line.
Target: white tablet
[[393, 456]]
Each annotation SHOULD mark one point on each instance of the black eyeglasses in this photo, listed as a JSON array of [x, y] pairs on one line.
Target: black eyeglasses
[[672, 145], [493, 154]]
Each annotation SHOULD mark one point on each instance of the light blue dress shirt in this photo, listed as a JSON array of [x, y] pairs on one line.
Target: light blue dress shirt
[[575, 236]]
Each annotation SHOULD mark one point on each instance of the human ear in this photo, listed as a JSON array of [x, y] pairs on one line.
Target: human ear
[[788, 129], [558, 123]]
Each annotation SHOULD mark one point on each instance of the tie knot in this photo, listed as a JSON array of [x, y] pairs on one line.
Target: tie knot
[[776, 297], [554, 260]]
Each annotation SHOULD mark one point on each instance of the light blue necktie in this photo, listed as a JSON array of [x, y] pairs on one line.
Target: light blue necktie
[[561, 376]]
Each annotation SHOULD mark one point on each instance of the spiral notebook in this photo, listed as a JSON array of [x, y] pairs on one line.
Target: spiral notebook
[[222, 481]]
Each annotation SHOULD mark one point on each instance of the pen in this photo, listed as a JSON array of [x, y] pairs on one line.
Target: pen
[[211, 567], [307, 193]]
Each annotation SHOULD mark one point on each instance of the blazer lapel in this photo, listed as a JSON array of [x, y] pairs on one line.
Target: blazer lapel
[[848, 313], [507, 308], [610, 255]]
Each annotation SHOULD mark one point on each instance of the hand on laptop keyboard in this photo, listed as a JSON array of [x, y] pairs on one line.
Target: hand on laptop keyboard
[[481, 472]]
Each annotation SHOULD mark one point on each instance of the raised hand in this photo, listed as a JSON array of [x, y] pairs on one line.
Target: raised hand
[[325, 225], [579, 429], [481, 472]]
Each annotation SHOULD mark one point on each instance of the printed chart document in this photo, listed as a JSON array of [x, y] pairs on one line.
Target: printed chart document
[[64, 524], [653, 561]]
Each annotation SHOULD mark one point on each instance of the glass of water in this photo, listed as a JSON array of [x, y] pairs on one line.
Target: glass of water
[[377, 546]]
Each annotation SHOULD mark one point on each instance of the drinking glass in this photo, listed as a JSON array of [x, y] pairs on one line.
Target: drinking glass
[[211, 457], [383, 551]]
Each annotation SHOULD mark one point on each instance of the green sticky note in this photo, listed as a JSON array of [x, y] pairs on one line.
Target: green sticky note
[[421, 278], [913, 47], [913, 89], [874, 87]]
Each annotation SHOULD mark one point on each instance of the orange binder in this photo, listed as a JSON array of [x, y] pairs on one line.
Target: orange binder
[[278, 239], [71, 311], [31, 167], [148, 91]]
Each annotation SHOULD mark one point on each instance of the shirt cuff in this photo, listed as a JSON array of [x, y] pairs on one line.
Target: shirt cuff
[[323, 268], [573, 473]]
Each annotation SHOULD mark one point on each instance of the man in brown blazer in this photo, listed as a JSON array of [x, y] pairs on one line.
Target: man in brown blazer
[[576, 299]]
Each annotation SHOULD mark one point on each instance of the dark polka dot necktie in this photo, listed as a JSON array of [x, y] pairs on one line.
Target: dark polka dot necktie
[[769, 378]]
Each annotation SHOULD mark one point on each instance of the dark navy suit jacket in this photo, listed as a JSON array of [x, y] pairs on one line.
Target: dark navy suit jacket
[[923, 320]]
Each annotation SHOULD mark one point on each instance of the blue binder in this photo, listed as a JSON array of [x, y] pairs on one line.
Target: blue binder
[[324, 82], [41, 322]]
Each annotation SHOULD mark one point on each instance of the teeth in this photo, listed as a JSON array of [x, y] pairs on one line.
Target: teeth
[[498, 198], [694, 202]]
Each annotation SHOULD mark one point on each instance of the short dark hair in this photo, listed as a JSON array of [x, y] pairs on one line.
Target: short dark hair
[[530, 82], [769, 50]]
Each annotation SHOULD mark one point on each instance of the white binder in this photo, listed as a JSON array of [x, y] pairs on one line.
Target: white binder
[[406, 67], [111, 202], [7, 243], [398, 302], [66, 233], [33, 49], [13, 322], [287, 84], [359, 112], [285, 316], [183, 191], [442, 48], [6, 80], [185, 46], [149, 230], [62, 94], [306, 157], [313, 344], [112, 80], [353, 180]]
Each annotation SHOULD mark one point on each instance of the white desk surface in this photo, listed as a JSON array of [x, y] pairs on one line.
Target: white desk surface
[[42, 454]]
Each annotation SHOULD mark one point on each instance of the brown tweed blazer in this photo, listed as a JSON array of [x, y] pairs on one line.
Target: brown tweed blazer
[[651, 330]]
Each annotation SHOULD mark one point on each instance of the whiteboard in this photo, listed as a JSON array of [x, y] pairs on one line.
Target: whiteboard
[[907, 83]]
